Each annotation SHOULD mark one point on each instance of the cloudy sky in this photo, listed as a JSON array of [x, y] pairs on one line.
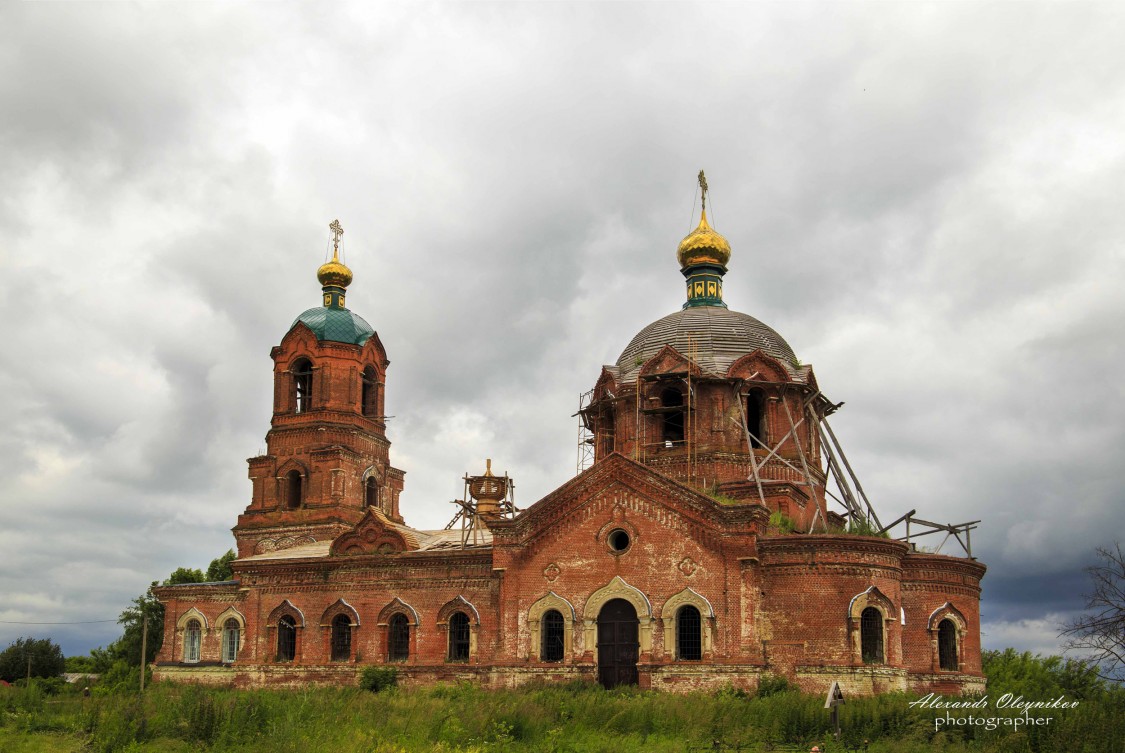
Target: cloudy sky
[[924, 199]]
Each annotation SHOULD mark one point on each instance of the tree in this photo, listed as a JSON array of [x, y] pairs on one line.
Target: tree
[[1100, 633], [45, 655], [182, 575], [220, 568], [128, 646]]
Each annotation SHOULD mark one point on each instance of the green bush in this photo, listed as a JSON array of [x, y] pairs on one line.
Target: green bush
[[772, 685], [376, 679]]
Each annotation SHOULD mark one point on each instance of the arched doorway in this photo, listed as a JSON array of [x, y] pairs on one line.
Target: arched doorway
[[618, 647]]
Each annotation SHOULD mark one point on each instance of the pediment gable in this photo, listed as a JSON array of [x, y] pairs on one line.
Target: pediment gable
[[606, 386], [668, 360], [374, 534], [619, 488], [758, 366]]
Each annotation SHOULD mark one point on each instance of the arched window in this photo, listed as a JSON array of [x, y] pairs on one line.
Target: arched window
[[398, 638], [286, 639], [293, 496], [755, 417], [871, 635], [689, 634], [947, 645], [302, 385], [193, 635], [672, 400], [369, 403], [458, 637], [231, 635], [371, 492], [554, 632], [341, 638]]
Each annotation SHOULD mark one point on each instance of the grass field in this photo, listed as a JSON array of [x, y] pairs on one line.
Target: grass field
[[464, 719]]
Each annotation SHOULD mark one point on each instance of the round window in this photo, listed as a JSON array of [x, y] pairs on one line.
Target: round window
[[619, 540]]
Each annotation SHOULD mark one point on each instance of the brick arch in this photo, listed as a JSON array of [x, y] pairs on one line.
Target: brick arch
[[230, 613], [459, 604], [534, 622], [337, 608], [616, 589], [950, 612], [286, 607], [192, 614], [872, 597], [550, 601], [685, 597], [292, 464], [398, 606], [373, 471]]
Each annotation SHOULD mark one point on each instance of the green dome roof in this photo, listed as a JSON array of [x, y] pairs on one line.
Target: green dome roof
[[336, 324]]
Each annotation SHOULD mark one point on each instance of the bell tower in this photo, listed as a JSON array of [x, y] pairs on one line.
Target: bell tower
[[327, 453]]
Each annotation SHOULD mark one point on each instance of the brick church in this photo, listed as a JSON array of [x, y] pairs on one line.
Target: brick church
[[697, 550]]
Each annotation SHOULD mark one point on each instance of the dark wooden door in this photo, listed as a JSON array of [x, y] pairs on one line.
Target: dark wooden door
[[618, 647]]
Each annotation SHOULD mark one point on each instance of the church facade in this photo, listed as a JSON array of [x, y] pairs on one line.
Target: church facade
[[698, 550]]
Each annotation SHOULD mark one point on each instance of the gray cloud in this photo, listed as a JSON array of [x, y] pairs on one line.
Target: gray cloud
[[921, 199]]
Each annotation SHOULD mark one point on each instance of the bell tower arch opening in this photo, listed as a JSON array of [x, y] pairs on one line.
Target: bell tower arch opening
[[672, 400], [756, 417], [302, 385]]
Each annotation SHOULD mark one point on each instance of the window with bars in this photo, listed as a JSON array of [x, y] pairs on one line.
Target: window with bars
[[554, 636], [231, 636], [302, 385], [398, 638], [193, 635], [341, 638], [871, 635], [459, 637], [286, 639], [689, 634], [947, 645]]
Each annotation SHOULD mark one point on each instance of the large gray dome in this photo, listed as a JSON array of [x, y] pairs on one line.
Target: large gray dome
[[720, 336]]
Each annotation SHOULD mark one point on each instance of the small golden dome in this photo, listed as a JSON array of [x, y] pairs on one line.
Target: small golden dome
[[334, 273], [703, 246]]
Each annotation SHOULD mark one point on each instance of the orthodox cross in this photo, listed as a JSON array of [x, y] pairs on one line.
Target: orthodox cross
[[703, 187], [337, 231]]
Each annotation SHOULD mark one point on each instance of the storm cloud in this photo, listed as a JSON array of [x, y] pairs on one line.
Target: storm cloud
[[923, 199]]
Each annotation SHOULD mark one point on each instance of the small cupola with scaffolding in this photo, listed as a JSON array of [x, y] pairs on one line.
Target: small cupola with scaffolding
[[487, 498]]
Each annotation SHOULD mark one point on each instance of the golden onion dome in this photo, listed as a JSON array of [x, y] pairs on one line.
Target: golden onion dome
[[334, 273], [703, 246]]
